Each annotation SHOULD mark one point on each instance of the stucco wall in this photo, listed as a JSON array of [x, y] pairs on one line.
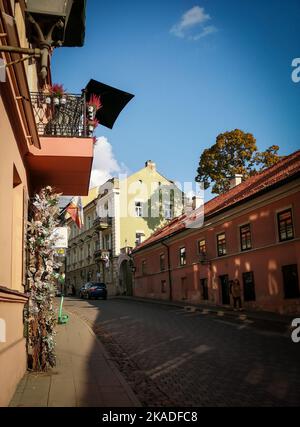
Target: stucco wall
[[265, 259], [140, 186], [13, 352]]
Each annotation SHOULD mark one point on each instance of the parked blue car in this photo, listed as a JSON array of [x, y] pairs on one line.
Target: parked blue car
[[95, 290]]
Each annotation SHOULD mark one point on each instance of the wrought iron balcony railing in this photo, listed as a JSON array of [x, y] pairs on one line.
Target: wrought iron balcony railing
[[60, 116]]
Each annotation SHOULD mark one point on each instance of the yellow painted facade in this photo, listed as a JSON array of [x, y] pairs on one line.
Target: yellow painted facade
[[144, 186], [127, 201]]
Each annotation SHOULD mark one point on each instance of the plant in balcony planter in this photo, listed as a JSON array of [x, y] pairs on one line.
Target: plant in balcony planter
[[58, 93], [93, 105]]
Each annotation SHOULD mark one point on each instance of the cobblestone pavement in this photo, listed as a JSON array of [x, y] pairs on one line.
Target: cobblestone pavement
[[172, 357]]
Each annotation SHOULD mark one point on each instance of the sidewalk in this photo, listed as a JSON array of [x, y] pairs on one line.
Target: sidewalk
[[84, 375], [271, 320]]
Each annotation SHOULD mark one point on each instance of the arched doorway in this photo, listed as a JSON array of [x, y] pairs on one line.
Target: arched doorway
[[125, 278]]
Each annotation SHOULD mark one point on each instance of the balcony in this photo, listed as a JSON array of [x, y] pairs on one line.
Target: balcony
[[102, 254], [127, 250], [65, 158], [102, 223], [60, 115]]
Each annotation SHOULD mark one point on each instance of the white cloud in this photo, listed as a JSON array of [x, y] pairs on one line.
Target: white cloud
[[105, 165], [190, 20], [205, 32]]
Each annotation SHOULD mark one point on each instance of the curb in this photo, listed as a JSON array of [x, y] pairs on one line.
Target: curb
[[218, 311], [120, 377]]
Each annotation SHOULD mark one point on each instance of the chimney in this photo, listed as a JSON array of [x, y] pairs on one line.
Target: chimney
[[236, 180], [196, 202], [150, 164]]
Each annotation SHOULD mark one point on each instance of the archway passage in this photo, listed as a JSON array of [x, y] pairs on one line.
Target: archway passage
[[125, 278]]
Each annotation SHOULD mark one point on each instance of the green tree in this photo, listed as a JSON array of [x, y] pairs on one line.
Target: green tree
[[234, 152]]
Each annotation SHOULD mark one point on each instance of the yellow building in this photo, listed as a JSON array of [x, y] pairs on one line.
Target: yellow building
[[125, 211]]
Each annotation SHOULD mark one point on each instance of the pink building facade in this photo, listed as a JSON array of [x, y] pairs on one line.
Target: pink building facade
[[252, 233]]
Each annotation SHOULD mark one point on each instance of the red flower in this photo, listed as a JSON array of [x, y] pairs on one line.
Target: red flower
[[57, 89], [95, 101]]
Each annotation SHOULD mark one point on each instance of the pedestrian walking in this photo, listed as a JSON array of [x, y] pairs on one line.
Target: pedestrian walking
[[236, 292]]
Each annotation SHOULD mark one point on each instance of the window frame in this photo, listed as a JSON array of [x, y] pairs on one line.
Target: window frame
[[278, 213], [182, 262], [162, 261], [198, 247], [138, 208], [219, 254], [241, 235]]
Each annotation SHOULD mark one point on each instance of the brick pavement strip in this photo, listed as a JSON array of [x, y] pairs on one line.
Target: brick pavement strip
[[171, 357]]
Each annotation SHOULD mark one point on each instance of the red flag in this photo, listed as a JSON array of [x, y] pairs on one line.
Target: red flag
[[76, 211]]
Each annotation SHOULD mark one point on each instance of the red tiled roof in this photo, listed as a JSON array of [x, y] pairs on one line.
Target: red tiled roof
[[285, 168]]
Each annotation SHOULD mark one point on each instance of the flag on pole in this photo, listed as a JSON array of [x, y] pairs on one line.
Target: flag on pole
[[76, 211]]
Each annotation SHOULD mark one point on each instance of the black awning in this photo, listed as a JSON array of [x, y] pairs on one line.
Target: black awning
[[113, 101], [75, 30]]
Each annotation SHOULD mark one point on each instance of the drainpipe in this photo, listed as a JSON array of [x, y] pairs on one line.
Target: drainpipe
[[169, 271]]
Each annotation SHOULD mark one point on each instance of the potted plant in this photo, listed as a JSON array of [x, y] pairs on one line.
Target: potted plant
[[93, 105], [58, 92]]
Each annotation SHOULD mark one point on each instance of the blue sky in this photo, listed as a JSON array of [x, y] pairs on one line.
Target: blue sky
[[196, 69]]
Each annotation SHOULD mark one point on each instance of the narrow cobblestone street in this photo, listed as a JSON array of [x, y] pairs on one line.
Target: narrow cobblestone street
[[172, 357]]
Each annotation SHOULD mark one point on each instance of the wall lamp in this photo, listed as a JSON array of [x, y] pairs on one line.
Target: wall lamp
[[50, 24]]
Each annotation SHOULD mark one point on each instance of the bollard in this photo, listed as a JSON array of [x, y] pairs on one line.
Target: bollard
[[62, 318]]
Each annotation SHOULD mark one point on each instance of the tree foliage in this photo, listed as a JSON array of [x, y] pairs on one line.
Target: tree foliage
[[234, 152]]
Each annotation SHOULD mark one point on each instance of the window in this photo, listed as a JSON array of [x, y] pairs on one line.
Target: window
[[139, 237], [245, 236], [168, 211], [163, 286], [290, 281], [204, 288], [144, 267], [106, 240], [221, 244], [138, 209], [285, 225], [202, 247], [88, 222], [162, 262], [182, 256], [249, 287]]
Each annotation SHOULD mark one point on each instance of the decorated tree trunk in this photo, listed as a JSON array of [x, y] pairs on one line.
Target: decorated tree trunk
[[41, 278]]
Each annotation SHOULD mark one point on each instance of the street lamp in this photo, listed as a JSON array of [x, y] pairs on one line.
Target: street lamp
[[49, 24]]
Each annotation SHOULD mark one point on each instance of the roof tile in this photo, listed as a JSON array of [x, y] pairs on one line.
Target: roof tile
[[286, 167]]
